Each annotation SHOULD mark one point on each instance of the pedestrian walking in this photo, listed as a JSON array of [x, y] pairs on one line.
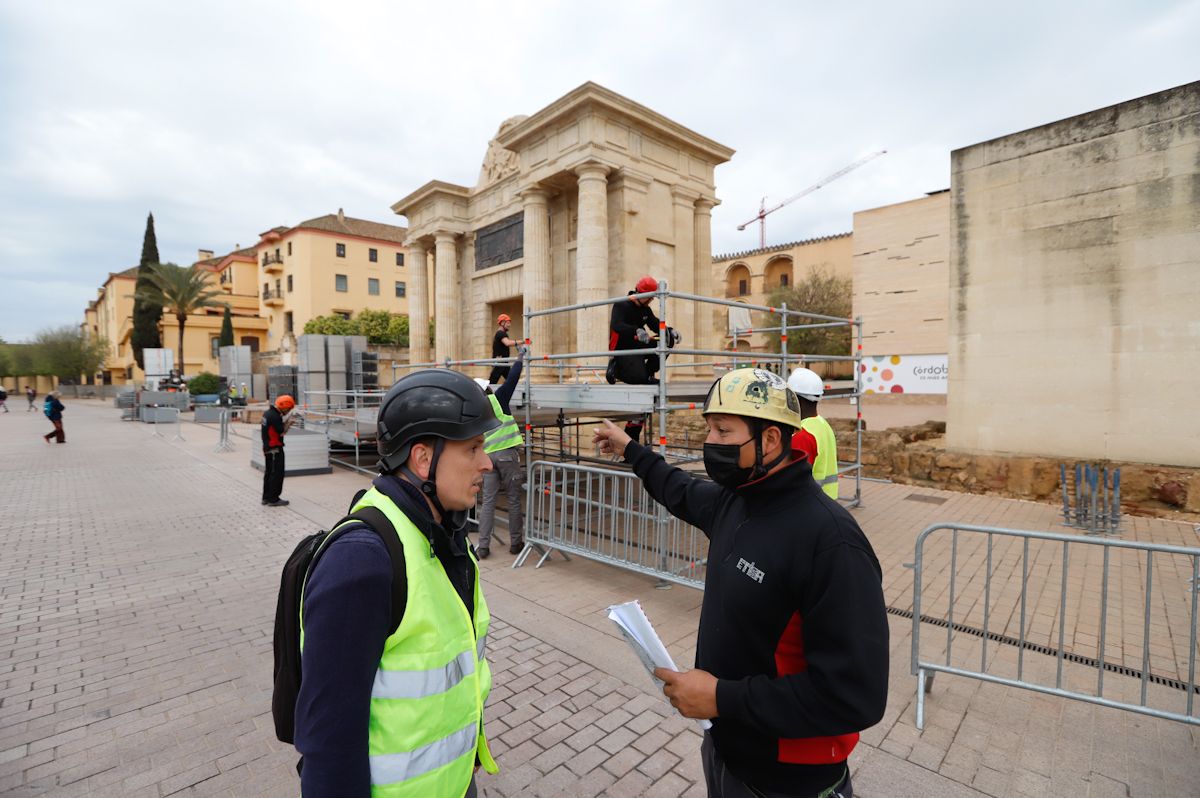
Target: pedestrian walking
[[503, 446], [3, 398], [31, 395], [792, 653], [275, 424], [394, 677], [53, 410]]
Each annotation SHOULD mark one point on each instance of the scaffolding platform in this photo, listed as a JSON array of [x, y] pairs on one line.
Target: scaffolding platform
[[586, 398], [344, 425]]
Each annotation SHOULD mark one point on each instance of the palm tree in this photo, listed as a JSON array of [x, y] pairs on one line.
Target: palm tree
[[179, 290]]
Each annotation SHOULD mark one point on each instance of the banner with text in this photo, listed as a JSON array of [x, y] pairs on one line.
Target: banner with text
[[905, 374]]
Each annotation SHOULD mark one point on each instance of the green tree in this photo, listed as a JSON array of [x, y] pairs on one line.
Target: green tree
[[180, 291], [332, 324], [146, 314], [398, 329], [375, 324], [226, 337], [65, 352], [823, 293], [6, 361]]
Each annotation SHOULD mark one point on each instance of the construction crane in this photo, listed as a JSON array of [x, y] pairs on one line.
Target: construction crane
[[764, 211]]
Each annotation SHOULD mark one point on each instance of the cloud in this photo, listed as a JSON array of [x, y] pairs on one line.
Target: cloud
[[227, 118]]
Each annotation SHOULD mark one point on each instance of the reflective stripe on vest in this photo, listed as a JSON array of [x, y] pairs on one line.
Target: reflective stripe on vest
[[426, 711], [825, 467], [507, 435]]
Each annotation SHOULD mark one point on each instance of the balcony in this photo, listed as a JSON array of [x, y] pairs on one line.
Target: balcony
[[272, 263], [272, 298]]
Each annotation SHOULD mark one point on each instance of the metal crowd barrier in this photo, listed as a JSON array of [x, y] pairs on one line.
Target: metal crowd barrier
[[1089, 595], [605, 514]]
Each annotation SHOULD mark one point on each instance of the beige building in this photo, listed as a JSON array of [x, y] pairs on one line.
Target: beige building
[[110, 316], [333, 264], [1074, 256], [234, 275], [902, 276], [753, 275], [573, 204]]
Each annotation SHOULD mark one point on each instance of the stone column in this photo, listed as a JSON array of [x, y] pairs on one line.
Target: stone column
[[418, 304], [683, 312], [591, 257], [706, 315], [535, 275], [448, 305]]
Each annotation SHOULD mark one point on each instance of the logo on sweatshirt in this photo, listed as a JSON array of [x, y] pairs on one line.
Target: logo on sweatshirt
[[749, 570]]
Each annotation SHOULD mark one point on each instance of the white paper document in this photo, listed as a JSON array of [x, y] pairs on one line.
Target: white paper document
[[644, 641]]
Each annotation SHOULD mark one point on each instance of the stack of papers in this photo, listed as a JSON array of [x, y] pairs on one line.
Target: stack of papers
[[644, 641]]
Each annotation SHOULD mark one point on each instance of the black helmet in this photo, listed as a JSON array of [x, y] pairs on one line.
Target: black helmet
[[437, 403]]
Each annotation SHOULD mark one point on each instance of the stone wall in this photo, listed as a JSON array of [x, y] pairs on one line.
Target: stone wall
[[1074, 253]]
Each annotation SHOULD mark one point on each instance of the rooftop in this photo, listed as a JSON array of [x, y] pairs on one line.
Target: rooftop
[[778, 247]]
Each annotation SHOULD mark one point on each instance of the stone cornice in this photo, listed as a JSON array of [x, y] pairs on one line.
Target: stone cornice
[[428, 191], [596, 96]]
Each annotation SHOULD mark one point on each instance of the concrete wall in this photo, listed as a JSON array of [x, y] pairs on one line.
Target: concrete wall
[[1075, 252], [902, 276]]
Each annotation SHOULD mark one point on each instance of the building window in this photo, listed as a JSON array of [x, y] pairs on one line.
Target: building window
[[278, 287], [743, 288], [340, 283], [341, 250], [399, 258], [250, 341], [215, 344], [401, 290], [289, 283], [372, 286], [345, 314], [277, 258], [783, 280], [289, 247], [287, 321], [266, 290], [373, 255]]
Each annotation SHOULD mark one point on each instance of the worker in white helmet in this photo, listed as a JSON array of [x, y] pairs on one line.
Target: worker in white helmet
[[815, 438]]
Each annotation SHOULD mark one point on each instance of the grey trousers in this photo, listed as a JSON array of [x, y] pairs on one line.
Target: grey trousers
[[722, 783], [507, 472]]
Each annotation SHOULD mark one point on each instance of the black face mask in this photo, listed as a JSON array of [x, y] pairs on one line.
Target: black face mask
[[721, 463]]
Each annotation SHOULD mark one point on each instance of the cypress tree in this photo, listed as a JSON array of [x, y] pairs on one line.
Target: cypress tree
[[145, 314], [226, 338]]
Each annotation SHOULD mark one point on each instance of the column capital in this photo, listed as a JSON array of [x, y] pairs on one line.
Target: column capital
[[415, 246], [443, 236], [631, 178], [706, 204], [684, 196], [534, 194], [592, 170]]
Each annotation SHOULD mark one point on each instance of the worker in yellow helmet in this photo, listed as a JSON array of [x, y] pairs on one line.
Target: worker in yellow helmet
[[792, 653], [815, 439]]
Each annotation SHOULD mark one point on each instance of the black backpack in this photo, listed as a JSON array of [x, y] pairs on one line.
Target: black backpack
[[287, 608]]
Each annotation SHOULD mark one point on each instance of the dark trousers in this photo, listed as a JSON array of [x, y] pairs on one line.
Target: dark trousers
[[498, 372], [272, 475], [57, 433], [724, 784], [506, 473]]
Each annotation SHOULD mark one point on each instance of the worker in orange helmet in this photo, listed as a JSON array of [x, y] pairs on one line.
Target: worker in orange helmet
[[501, 347], [275, 424]]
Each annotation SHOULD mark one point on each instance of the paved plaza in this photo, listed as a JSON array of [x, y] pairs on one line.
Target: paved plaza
[[137, 595]]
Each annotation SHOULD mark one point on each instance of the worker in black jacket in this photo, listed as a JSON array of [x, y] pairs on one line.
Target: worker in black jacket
[[274, 427], [792, 653], [633, 325]]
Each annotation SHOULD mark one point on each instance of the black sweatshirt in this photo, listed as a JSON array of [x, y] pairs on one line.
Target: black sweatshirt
[[792, 585], [626, 319]]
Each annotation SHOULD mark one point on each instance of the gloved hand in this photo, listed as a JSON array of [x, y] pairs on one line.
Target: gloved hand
[[643, 335], [523, 350]]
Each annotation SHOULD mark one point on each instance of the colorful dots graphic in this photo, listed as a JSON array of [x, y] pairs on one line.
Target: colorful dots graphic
[[897, 389], [895, 360], [887, 375]]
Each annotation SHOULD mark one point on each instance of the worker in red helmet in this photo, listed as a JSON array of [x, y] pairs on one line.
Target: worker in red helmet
[[633, 325], [501, 347], [275, 424]]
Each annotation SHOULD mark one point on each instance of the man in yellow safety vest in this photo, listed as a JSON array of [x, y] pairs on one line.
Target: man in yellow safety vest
[[393, 706], [815, 438]]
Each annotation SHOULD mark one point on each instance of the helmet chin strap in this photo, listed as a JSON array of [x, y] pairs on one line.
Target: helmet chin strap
[[428, 487], [761, 469]]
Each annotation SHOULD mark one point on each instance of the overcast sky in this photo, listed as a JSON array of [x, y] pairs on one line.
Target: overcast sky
[[228, 118]]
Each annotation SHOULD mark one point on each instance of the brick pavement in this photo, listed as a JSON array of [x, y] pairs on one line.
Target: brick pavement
[[136, 595]]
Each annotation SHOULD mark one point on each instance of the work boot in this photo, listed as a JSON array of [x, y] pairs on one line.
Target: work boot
[[516, 548], [279, 503], [483, 553]]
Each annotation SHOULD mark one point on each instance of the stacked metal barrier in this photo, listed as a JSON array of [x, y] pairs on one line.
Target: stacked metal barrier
[[1096, 492]]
